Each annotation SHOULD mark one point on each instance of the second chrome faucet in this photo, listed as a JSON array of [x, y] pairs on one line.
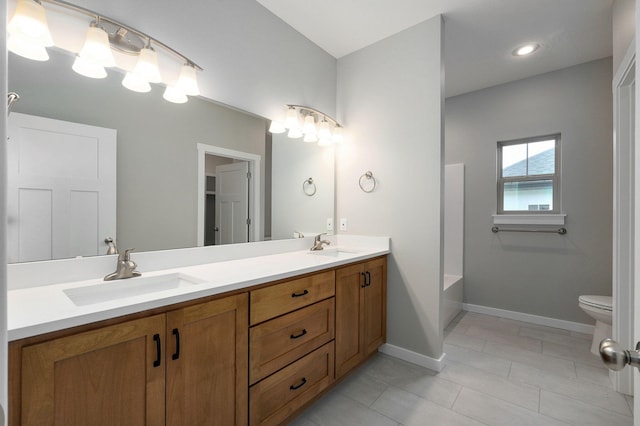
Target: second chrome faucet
[[318, 243], [126, 268]]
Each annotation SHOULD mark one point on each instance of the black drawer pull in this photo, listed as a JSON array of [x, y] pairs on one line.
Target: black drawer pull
[[364, 280], [304, 293], [368, 278], [297, 336], [176, 355], [156, 338], [304, 382]]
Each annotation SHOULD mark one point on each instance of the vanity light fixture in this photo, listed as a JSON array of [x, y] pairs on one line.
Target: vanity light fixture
[[525, 49], [28, 36], [29, 32], [327, 132]]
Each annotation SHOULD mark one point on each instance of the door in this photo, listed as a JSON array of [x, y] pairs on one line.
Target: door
[[232, 203], [207, 366], [375, 305], [110, 376], [349, 318], [61, 192]]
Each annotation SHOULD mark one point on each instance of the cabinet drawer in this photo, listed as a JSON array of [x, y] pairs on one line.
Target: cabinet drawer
[[270, 302], [278, 396], [280, 341]]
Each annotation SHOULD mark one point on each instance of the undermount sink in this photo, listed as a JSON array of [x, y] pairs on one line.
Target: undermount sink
[[333, 252], [120, 289]]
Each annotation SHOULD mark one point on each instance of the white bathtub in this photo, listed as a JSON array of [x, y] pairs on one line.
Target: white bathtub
[[452, 297]]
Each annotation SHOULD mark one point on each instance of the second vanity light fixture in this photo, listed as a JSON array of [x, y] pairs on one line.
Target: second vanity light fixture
[[309, 124], [29, 36]]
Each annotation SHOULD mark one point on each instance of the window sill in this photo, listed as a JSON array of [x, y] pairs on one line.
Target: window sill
[[529, 219]]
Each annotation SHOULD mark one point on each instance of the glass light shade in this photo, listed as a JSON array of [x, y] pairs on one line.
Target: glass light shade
[[291, 120], [309, 126], [324, 130], [294, 133], [175, 95], [310, 137], [147, 66], [27, 48], [188, 81], [337, 135], [325, 142], [133, 81], [88, 68], [97, 48], [30, 21], [277, 127]]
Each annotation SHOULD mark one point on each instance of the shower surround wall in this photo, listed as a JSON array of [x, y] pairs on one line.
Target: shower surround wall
[[539, 274]]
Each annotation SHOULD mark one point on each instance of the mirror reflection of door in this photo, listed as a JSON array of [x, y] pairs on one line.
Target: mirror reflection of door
[[61, 188], [226, 201]]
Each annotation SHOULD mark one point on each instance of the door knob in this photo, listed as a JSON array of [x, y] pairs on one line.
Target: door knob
[[616, 358]]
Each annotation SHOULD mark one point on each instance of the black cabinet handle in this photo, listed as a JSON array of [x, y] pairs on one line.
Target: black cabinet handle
[[364, 280], [304, 293], [176, 355], [368, 278], [297, 336], [302, 383], [156, 338]]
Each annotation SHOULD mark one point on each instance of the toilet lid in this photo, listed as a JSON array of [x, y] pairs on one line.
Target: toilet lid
[[601, 302]]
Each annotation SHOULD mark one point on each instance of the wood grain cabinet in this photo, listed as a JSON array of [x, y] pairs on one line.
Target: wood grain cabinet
[[291, 348], [361, 312], [184, 367]]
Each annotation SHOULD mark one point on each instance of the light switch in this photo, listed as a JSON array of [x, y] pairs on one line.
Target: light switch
[[329, 224], [343, 223]]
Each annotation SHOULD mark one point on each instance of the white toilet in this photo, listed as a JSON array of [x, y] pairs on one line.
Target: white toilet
[[598, 308]]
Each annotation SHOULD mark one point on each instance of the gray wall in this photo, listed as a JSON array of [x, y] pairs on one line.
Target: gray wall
[[624, 28], [540, 274], [157, 155], [389, 99]]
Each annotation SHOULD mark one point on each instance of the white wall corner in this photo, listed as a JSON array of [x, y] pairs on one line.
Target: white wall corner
[[435, 364], [533, 319]]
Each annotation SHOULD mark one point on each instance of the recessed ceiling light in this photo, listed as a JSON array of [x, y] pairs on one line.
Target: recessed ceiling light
[[526, 49]]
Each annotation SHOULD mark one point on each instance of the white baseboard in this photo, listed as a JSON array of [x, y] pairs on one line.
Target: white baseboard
[[413, 357], [533, 319]]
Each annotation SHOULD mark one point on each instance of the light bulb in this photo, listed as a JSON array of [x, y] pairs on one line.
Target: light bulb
[[30, 21], [291, 121], [309, 126], [324, 131], [133, 81], [276, 127], [337, 136], [310, 137], [175, 95], [27, 48], [97, 48], [88, 68], [188, 81], [147, 66]]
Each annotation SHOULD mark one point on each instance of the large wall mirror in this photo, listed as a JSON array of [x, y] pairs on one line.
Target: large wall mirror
[[157, 163]]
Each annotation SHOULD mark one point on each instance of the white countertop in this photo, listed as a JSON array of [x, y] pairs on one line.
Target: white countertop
[[42, 309]]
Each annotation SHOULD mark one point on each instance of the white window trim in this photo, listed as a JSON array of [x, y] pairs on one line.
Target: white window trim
[[529, 219]]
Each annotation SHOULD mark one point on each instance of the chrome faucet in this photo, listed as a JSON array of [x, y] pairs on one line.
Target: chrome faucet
[[318, 242], [125, 268]]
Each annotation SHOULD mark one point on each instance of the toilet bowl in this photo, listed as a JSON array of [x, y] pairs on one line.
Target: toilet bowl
[[600, 309]]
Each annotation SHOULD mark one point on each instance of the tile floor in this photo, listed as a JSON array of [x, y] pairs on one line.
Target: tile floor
[[498, 372]]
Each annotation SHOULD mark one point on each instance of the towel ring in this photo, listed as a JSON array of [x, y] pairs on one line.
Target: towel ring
[[367, 182], [309, 187]]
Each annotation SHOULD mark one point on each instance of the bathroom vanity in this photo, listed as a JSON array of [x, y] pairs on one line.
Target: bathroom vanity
[[250, 352]]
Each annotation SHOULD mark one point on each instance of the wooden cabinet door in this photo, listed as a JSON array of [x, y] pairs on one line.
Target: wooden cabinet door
[[375, 305], [349, 318], [110, 376], [207, 364]]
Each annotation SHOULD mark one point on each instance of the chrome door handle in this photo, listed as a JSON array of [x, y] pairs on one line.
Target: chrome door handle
[[616, 358]]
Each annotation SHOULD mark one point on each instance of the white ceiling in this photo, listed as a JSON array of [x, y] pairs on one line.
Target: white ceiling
[[479, 34]]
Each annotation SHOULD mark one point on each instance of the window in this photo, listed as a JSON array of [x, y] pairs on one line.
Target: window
[[529, 175]]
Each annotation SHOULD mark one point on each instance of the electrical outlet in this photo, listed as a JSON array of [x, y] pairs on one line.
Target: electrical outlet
[[343, 223], [329, 224]]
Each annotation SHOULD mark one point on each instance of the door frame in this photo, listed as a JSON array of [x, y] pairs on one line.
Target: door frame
[[624, 187], [254, 188]]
